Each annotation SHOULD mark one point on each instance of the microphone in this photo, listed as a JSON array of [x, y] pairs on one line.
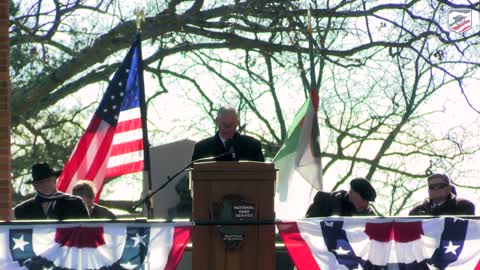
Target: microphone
[[220, 157]]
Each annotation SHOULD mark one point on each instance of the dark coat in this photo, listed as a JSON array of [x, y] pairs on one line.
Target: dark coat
[[101, 212], [452, 206], [334, 203], [64, 206], [246, 148]]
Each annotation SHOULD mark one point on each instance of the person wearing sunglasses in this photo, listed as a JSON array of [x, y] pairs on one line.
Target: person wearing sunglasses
[[441, 200]]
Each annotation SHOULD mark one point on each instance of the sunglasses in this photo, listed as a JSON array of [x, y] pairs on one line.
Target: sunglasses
[[437, 186]]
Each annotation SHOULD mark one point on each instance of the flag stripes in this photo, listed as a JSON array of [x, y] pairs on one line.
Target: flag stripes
[[127, 147], [181, 236], [124, 169], [295, 244], [95, 246], [114, 142], [129, 125], [81, 155], [386, 243]]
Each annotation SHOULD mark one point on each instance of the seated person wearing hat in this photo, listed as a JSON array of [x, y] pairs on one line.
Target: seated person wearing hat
[[355, 202], [48, 203], [441, 200]]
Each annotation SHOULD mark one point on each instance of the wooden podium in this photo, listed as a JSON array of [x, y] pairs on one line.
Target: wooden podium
[[213, 185]]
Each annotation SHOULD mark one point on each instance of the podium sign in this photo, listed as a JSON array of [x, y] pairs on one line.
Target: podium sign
[[245, 211], [233, 192]]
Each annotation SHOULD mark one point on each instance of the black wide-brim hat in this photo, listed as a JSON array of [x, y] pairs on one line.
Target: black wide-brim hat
[[363, 187], [42, 171]]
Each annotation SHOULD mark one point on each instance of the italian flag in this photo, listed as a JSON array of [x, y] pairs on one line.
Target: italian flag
[[298, 163]]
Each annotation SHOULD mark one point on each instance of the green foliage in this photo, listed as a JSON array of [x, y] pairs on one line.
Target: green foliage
[[50, 138], [12, 8]]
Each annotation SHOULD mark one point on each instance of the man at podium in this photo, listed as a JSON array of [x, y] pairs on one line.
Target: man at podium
[[228, 144]]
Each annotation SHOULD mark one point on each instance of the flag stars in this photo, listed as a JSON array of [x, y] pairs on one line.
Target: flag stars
[[451, 248], [121, 94], [112, 97], [20, 243], [329, 223], [341, 251], [120, 83], [456, 219], [128, 265], [138, 240], [114, 107], [127, 70], [359, 267], [45, 268]]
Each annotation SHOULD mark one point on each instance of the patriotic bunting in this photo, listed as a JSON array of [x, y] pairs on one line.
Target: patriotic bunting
[[363, 243], [150, 246]]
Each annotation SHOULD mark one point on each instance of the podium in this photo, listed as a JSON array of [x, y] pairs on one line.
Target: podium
[[239, 193]]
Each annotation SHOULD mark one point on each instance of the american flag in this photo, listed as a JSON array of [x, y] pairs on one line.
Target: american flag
[[114, 141]]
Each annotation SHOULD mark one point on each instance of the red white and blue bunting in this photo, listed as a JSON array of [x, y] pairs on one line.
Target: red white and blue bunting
[[385, 243], [316, 243], [108, 246]]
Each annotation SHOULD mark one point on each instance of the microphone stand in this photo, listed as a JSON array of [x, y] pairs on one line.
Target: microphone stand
[[147, 197]]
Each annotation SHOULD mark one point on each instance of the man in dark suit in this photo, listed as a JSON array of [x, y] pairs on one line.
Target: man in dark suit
[[48, 203], [355, 202], [85, 190], [441, 200], [228, 141]]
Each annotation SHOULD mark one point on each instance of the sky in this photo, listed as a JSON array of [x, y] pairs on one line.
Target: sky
[[174, 107], [166, 113]]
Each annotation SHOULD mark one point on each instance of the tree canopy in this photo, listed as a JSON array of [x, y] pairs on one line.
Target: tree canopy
[[380, 67]]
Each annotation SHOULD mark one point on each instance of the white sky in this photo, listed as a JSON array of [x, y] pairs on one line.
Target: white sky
[[173, 108]]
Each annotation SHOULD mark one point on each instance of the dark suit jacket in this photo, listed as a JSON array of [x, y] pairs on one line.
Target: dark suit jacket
[[64, 207], [452, 206], [101, 212], [246, 148], [334, 203]]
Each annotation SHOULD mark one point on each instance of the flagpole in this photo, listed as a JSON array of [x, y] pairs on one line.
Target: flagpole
[[140, 16], [313, 81], [314, 94]]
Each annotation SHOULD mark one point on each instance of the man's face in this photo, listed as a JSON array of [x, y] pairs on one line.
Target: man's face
[[357, 200], [438, 190], [46, 186], [227, 125]]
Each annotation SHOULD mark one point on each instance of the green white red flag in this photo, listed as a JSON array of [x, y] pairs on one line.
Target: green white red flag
[[298, 162]]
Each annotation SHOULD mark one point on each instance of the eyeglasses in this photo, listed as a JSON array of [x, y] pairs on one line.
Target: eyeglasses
[[437, 186]]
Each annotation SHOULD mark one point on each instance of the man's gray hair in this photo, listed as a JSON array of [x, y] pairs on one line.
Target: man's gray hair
[[224, 110]]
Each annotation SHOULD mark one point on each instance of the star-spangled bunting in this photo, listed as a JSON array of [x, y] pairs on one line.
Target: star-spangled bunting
[[451, 248], [388, 243], [20, 243], [115, 247], [138, 239]]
